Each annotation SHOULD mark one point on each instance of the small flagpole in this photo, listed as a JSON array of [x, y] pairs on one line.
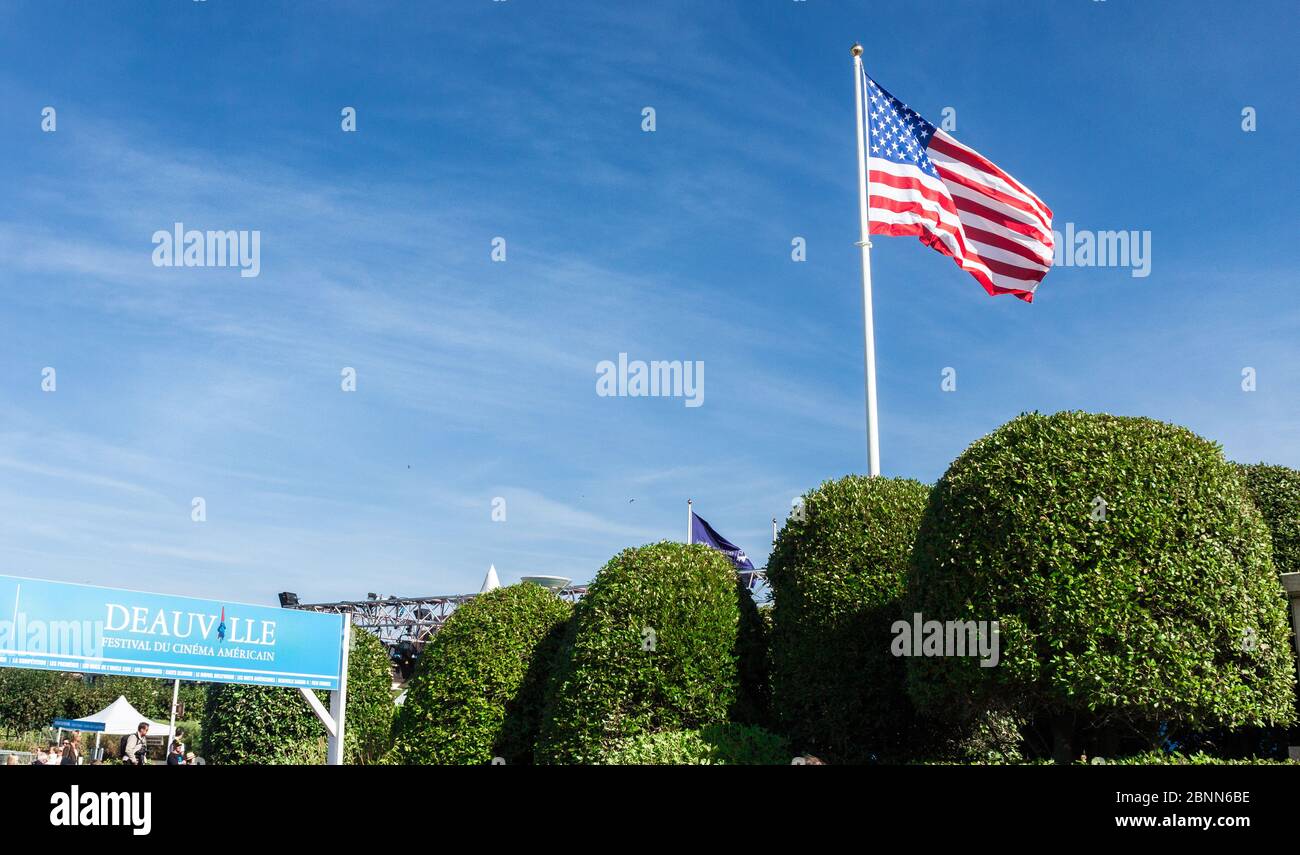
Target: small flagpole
[[690, 523], [873, 436]]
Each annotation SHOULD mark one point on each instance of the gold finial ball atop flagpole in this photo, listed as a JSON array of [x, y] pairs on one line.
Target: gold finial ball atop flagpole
[[856, 50]]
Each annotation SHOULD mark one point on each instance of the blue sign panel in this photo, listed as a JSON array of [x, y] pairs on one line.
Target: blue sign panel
[[59, 626], [77, 724]]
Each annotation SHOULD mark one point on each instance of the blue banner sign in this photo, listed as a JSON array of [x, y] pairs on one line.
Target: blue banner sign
[[57, 626], [76, 724]]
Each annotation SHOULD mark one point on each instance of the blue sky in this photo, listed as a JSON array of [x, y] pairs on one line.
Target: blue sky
[[476, 379]]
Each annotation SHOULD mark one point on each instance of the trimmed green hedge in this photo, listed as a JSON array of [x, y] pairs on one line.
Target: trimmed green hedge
[[837, 574], [265, 725], [655, 645], [1165, 610], [1276, 492], [478, 688], [259, 726], [369, 727], [712, 745]]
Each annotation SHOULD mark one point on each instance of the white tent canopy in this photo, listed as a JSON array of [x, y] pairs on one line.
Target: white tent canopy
[[490, 581], [120, 718]]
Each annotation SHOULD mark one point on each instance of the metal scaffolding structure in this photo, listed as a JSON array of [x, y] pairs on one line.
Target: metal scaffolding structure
[[405, 624]]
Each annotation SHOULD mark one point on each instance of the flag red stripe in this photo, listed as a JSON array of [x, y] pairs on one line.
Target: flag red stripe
[[996, 195], [969, 248], [1019, 226], [972, 238], [903, 207], [944, 144], [978, 235], [926, 237], [890, 180], [955, 204]]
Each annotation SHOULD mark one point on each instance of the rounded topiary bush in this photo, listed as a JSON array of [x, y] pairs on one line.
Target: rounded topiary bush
[[657, 644], [837, 574], [1276, 492], [711, 745], [1129, 573], [478, 687]]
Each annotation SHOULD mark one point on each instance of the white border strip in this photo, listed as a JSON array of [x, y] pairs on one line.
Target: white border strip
[[72, 657]]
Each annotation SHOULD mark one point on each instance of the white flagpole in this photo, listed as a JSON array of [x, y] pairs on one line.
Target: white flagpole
[[873, 436], [690, 524]]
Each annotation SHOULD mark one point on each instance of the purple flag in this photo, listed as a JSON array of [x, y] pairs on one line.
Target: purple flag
[[702, 532]]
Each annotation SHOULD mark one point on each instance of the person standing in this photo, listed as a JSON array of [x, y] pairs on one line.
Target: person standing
[[72, 750], [176, 756], [135, 746]]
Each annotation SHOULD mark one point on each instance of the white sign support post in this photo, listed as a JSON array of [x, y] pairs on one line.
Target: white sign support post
[[176, 699], [333, 718]]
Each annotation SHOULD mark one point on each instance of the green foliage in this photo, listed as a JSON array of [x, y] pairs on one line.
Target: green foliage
[[711, 745], [753, 661], [658, 643], [1276, 492], [1168, 609], [478, 687], [31, 699], [837, 574], [264, 725], [1146, 758], [309, 752], [193, 731], [989, 737], [31, 741], [153, 698], [258, 726], [1166, 758], [369, 727]]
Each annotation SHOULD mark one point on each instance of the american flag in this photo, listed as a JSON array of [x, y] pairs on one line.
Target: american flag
[[925, 183]]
